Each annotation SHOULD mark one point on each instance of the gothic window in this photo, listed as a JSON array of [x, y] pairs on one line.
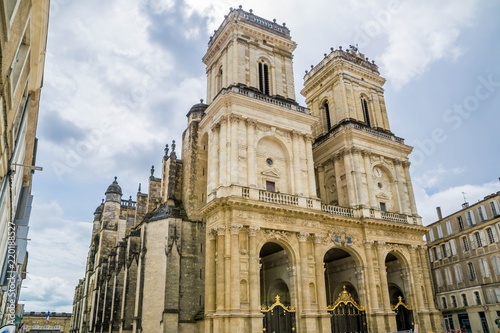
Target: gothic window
[[454, 301], [491, 236], [465, 302], [472, 272], [460, 223], [443, 301], [366, 113], [465, 244], [477, 298], [479, 242], [264, 78], [327, 115]]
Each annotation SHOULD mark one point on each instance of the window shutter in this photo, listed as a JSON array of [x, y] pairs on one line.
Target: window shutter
[[438, 253], [495, 235], [453, 247], [484, 212], [448, 249], [431, 255], [483, 237], [472, 241], [472, 217], [495, 203]]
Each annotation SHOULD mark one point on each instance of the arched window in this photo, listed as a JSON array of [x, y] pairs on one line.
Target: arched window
[[472, 272], [366, 113], [219, 79], [465, 302], [264, 78], [327, 114]]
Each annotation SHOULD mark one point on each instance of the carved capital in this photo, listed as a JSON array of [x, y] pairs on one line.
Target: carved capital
[[252, 231], [211, 233], [291, 271], [319, 238], [235, 228], [221, 230], [302, 236]]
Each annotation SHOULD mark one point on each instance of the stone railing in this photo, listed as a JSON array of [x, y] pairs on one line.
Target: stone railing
[[353, 124], [336, 210], [255, 94], [310, 203]]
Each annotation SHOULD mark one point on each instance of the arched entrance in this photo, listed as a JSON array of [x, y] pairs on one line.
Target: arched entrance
[[397, 290], [276, 299], [347, 314]]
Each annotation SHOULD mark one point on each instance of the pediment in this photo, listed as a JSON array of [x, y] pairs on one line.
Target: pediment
[[270, 173], [382, 196]]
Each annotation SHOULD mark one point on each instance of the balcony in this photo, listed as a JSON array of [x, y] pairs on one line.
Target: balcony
[[310, 203]]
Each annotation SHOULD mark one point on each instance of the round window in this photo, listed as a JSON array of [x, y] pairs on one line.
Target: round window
[[269, 161], [379, 185]]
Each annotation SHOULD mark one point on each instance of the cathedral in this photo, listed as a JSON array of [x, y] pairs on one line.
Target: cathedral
[[277, 217]]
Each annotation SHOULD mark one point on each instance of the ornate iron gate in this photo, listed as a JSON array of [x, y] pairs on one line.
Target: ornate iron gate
[[347, 316], [404, 315], [278, 318]]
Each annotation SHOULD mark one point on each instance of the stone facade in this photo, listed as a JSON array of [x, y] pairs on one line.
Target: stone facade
[[464, 251], [35, 322], [23, 37], [278, 217]]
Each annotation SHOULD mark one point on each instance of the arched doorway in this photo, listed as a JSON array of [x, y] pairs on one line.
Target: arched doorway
[[276, 299], [347, 313], [398, 288]]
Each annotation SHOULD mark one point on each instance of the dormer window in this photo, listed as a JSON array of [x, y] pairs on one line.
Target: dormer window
[[264, 78]]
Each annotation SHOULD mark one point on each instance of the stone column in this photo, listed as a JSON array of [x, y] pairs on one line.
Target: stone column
[[340, 190], [213, 159], [310, 167], [210, 271], [371, 285], [251, 165], [320, 283], [369, 179], [253, 270], [253, 280], [235, 266], [233, 143], [405, 206], [304, 272], [351, 186], [296, 178], [416, 278], [384, 288], [424, 263], [223, 160], [321, 183], [398, 187], [220, 269], [411, 195], [358, 179]]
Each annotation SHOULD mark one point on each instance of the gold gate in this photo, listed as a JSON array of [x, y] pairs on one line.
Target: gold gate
[[404, 315], [278, 318], [347, 316]]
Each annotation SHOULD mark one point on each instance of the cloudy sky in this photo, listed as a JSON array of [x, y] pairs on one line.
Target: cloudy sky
[[120, 77]]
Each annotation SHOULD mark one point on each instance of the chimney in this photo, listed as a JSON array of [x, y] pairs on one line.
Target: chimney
[[465, 205], [440, 215]]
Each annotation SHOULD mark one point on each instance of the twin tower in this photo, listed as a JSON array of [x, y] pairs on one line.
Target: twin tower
[[278, 217]]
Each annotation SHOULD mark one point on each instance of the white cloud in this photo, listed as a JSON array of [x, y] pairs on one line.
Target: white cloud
[[451, 199], [421, 34], [56, 261]]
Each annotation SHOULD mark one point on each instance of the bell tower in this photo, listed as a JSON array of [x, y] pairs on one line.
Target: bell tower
[[359, 161], [256, 134]]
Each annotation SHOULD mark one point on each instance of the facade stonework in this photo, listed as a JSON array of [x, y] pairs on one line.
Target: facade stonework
[[278, 217], [464, 253], [23, 39]]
